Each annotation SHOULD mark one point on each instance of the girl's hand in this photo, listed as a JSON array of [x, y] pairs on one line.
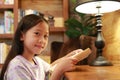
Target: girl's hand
[[68, 56], [63, 65], [66, 64]]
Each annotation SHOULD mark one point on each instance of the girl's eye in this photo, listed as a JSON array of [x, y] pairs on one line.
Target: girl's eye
[[37, 33]]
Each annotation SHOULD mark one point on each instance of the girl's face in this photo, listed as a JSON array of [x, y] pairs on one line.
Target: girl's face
[[35, 39]]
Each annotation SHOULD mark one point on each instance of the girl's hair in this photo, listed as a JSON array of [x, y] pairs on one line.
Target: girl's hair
[[26, 23]]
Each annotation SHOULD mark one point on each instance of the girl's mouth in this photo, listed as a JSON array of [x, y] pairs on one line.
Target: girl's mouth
[[39, 46]]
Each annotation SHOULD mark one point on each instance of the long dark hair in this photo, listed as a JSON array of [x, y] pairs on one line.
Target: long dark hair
[[26, 23]]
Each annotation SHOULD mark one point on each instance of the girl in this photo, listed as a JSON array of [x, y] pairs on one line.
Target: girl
[[30, 39]]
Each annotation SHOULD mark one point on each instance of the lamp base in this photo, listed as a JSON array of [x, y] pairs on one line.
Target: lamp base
[[100, 61]]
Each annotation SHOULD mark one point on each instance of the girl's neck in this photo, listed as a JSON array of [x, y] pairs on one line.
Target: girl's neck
[[29, 58]]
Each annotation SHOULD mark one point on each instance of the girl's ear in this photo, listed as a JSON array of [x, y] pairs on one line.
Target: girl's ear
[[22, 36]]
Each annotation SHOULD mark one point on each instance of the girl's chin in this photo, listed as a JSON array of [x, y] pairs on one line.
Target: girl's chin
[[38, 53]]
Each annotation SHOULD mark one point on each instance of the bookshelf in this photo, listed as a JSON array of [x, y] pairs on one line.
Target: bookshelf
[[21, 4], [57, 29], [5, 6], [52, 30], [10, 7], [6, 36]]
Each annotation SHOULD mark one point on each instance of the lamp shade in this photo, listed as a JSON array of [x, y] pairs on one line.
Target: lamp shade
[[90, 6]]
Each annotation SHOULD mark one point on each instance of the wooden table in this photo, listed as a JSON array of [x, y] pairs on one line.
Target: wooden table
[[85, 72]]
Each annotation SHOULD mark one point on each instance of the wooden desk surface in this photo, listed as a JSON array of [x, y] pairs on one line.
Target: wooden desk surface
[[85, 72]]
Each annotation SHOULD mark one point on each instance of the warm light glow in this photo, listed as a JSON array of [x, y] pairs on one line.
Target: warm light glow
[[90, 7]]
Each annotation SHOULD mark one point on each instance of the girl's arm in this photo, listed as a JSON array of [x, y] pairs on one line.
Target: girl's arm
[[66, 64]]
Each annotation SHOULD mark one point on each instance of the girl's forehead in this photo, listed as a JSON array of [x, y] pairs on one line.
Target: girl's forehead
[[41, 26]]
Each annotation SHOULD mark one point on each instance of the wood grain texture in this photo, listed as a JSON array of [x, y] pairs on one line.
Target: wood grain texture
[[85, 72], [53, 7]]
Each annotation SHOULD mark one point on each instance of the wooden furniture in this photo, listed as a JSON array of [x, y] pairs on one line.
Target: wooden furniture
[[85, 72], [36, 4], [18, 4], [14, 9]]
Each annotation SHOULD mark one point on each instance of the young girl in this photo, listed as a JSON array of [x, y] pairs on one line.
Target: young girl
[[30, 39]]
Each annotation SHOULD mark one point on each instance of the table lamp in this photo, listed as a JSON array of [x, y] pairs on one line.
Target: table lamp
[[98, 7]]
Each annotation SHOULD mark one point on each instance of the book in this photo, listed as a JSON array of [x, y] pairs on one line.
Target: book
[[22, 13], [8, 1], [31, 11], [2, 26], [82, 55], [4, 48], [8, 21]]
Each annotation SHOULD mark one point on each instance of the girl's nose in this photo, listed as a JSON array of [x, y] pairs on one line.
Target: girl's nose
[[40, 39]]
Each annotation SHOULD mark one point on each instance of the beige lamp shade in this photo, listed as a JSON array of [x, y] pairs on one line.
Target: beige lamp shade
[[90, 6]]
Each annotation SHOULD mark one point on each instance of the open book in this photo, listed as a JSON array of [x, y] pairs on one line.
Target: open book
[[82, 55]]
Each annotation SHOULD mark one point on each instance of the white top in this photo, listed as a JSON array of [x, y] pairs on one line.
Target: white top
[[21, 69]]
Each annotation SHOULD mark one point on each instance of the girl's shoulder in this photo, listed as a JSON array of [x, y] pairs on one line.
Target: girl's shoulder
[[18, 61], [14, 64]]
